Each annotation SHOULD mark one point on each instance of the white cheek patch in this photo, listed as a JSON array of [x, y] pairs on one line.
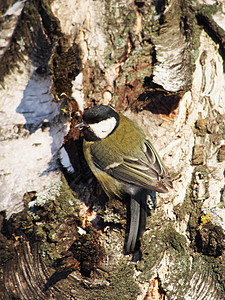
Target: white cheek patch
[[103, 128]]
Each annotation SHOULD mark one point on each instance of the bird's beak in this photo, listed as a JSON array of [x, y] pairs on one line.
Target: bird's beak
[[81, 125]]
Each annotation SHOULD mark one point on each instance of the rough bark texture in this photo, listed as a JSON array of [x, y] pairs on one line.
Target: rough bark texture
[[161, 63]]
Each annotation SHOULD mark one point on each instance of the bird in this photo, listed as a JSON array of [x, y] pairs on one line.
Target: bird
[[122, 158]]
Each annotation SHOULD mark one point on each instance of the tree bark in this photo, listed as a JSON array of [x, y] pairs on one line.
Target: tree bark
[[161, 63]]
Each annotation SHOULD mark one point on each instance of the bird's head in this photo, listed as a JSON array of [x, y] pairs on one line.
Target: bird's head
[[99, 122]]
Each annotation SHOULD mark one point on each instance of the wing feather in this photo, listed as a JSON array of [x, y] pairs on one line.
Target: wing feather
[[146, 171]]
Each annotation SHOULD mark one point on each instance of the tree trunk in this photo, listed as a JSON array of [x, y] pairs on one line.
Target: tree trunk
[[161, 63]]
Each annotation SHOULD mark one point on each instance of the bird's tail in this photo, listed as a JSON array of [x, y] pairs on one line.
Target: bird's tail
[[138, 216]]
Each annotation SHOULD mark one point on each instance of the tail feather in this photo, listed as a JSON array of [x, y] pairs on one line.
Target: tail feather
[[143, 214], [134, 225], [138, 216]]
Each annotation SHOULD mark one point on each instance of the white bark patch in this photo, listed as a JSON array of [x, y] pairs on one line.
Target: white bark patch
[[219, 19], [15, 9], [87, 22], [32, 131], [166, 71], [65, 160], [104, 128], [207, 2], [209, 93], [8, 24], [77, 89]]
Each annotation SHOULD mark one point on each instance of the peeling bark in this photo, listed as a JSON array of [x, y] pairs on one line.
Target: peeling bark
[[161, 63]]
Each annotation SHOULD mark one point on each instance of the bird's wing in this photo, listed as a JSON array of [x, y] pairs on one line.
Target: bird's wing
[[146, 171]]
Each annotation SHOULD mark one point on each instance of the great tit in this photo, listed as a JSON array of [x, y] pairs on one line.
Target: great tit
[[124, 161]]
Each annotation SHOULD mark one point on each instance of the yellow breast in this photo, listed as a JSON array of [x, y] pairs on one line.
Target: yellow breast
[[110, 185]]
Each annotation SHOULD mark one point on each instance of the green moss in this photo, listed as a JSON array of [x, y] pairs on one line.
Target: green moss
[[40, 233], [221, 129], [156, 241], [88, 250], [222, 205], [175, 240], [218, 267], [151, 256], [121, 285], [182, 210], [194, 36], [46, 218], [122, 18], [58, 209], [205, 237], [209, 10], [186, 268], [48, 253], [164, 243], [192, 204]]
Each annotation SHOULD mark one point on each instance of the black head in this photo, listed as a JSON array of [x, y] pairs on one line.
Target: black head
[[99, 113], [99, 122]]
